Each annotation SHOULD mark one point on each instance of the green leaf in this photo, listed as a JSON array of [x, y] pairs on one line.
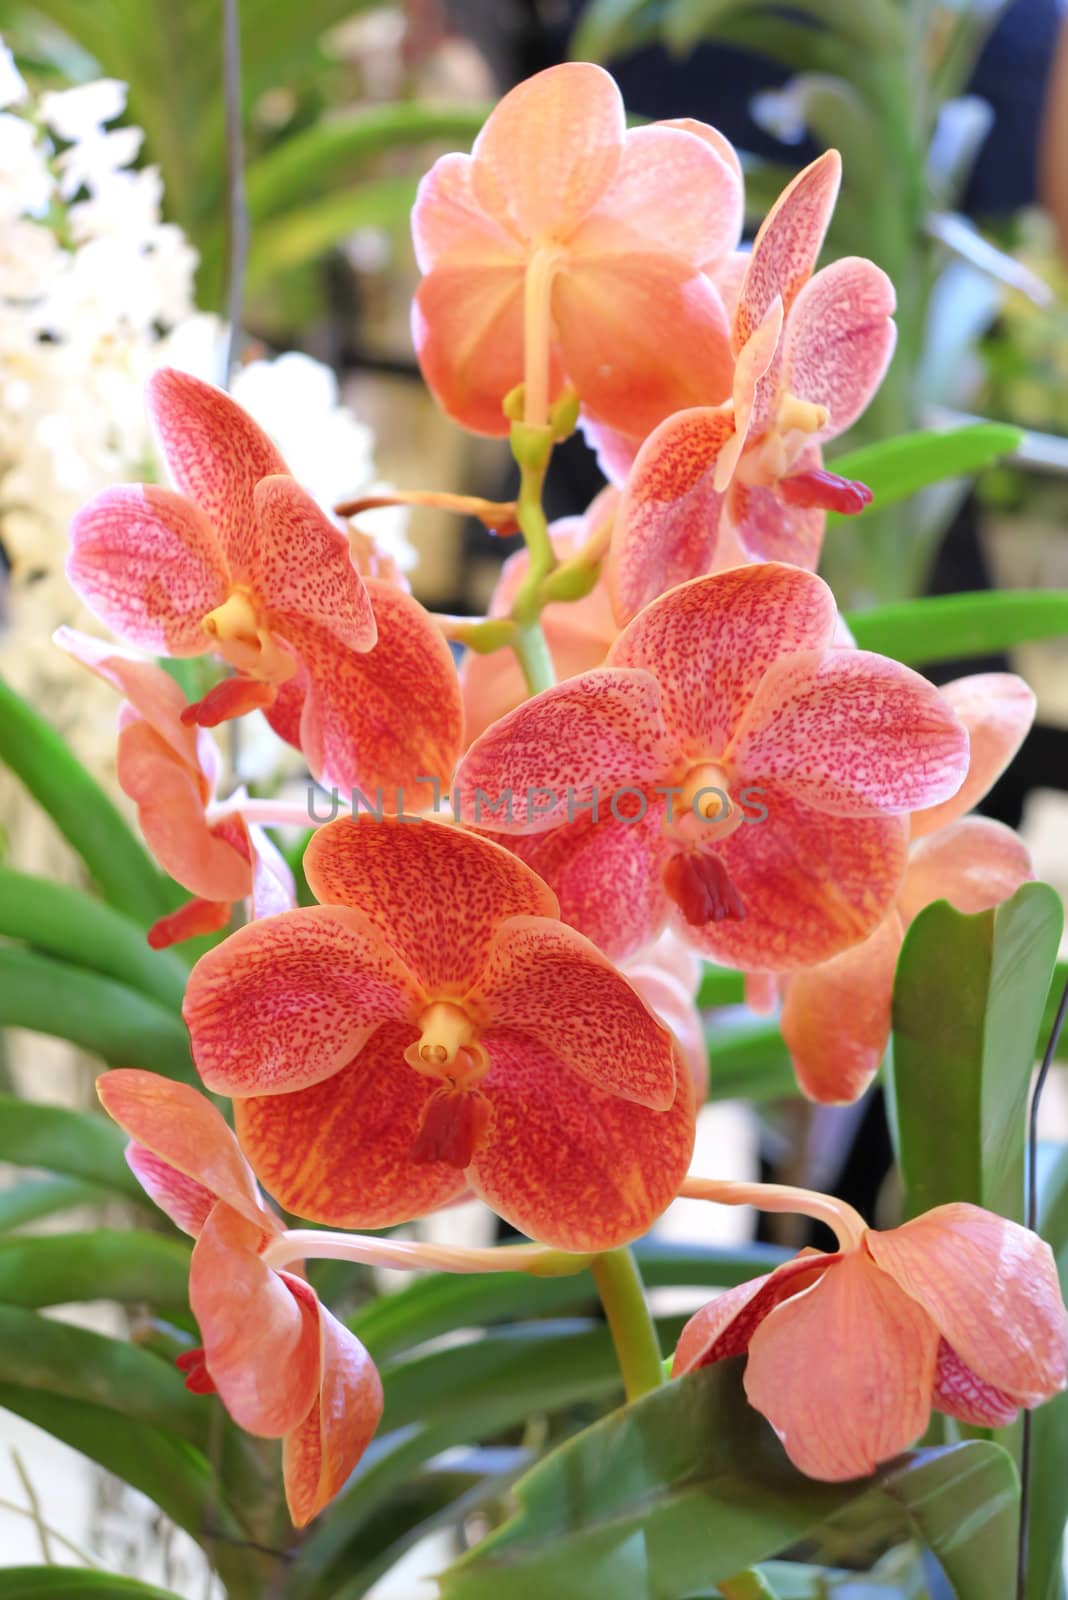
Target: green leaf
[[720, 986], [121, 1026], [103, 1264], [610, 28], [688, 1486], [81, 810], [73, 1143], [75, 1583], [969, 998], [945, 627], [35, 1198], [300, 235], [894, 469], [65, 922]]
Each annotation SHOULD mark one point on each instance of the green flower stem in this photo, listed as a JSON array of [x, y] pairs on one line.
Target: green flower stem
[[748, 1585], [533, 656], [532, 451], [619, 1284]]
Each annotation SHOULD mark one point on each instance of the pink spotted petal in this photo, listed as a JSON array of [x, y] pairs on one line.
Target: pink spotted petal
[[550, 149], [991, 1289], [434, 893], [467, 328], [183, 1199], [546, 984], [216, 455], [179, 1132], [340, 1152], [152, 692], [320, 1453], [724, 1327], [667, 526], [975, 864], [997, 709], [786, 248], [836, 1017], [286, 1001], [852, 733], [666, 975], [570, 1166], [839, 340], [600, 731], [261, 1344], [769, 529], [302, 570], [710, 642], [148, 563], [959, 1393], [450, 224], [812, 884]]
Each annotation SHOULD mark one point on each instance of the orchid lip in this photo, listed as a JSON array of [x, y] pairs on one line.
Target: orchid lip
[[448, 1049]]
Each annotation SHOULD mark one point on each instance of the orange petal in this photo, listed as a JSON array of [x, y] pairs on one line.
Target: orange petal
[[288, 1000], [551, 987], [753, 388], [569, 1166], [190, 921], [844, 1372], [600, 732], [450, 224], [550, 148], [340, 1152], [767, 529], [182, 1129], [852, 733], [975, 864], [186, 1202], [230, 698], [320, 1453], [667, 525], [959, 1393], [302, 571], [991, 1289], [216, 455], [726, 1324], [788, 243], [467, 329], [152, 692], [436, 894], [839, 340], [836, 1017], [710, 642], [261, 1343], [997, 709]]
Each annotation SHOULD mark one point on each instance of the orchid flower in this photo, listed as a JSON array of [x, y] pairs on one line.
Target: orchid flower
[[282, 1365], [431, 1026], [169, 768], [836, 1016], [744, 481], [567, 250], [667, 975], [958, 1311], [729, 769], [241, 562]]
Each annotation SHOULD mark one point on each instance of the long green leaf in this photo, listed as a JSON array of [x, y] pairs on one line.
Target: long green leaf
[[945, 627], [35, 1198], [103, 1264], [116, 1023], [71, 1143], [968, 1004], [305, 233], [81, 810], [75, 1583]]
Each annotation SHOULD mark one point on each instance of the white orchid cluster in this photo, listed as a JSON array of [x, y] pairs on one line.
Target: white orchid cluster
[[96, 291]]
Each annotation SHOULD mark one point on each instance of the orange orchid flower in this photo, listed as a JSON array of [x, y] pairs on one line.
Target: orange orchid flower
[[958, 1311], [430, 1026], [566, 249], [282, 1365], [717, 485], [836, 1016], [169, 769], [667, 975], [241, 562], [729, 769]]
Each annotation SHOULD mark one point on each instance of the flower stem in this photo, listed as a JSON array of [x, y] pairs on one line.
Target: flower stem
[[847, 1225], [533, 656], [536, 341], [619, 1284], [315, 1244]]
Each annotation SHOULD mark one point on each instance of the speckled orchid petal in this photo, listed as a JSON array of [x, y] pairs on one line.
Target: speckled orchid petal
[[216, 455], [991, 1289], [769, 530], [602, 730], [812, 885], [302, 570], [666, 975], [667, 525], [959, 1393], [839, 340], [261, 1344], [836, 1017], [844, 1372], [436, 893], [997, 709], [148, 563], [340, 1152], [175, 1125], [467, 329], [852, 733], [321, 1451], [548, 985], [788, 244], [573, 1168], [710, 642], [752, 389], [724, 1327], [288, 1000], [975, 864]]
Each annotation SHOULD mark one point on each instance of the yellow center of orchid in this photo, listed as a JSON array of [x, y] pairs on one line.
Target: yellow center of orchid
[[448, 1048], [788, 436], [705, 809], [243, 638]]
